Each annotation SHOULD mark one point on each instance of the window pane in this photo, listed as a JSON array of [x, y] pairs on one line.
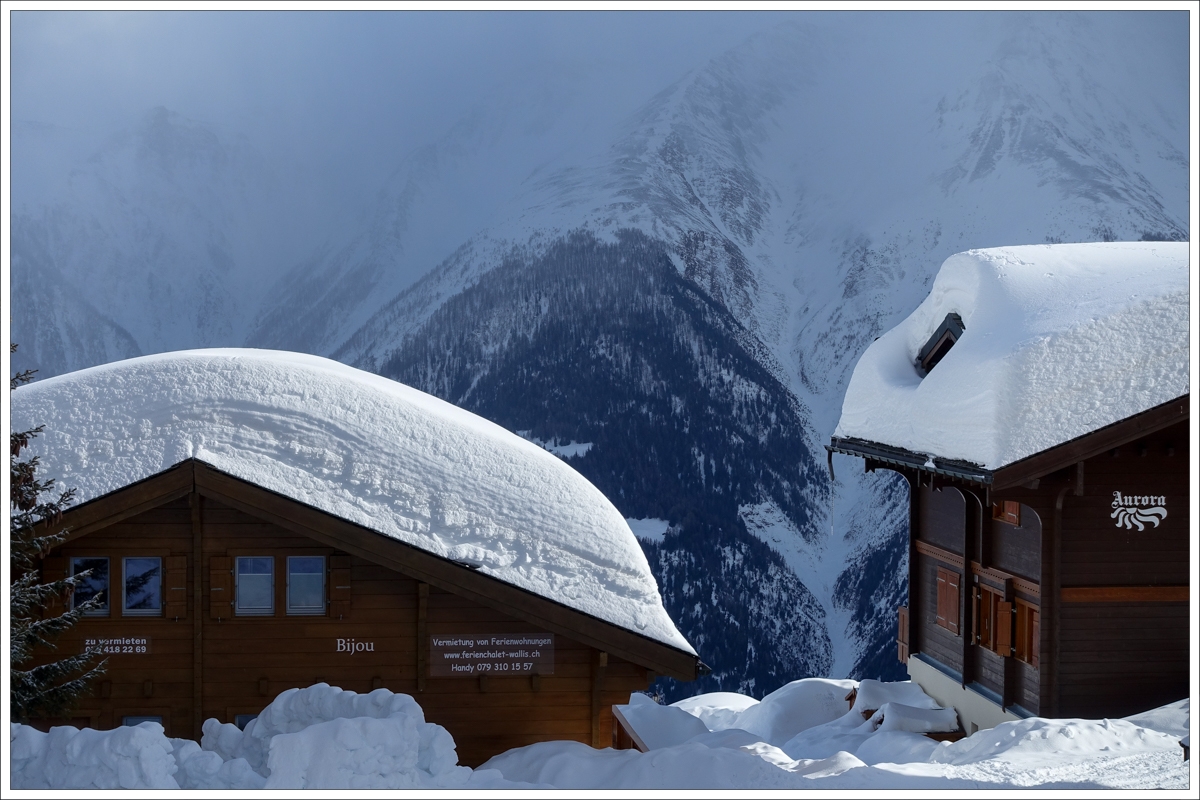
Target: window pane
[[306, 584], [134, 721], [94, 585], [255, 584], [143, 585]]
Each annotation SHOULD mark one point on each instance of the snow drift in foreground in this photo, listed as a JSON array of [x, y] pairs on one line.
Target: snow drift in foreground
[[802, 736], [365, 448], [1058, 340]]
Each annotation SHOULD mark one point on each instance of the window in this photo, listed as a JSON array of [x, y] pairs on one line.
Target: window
[[939, 343], [94, 585], [131, 722], [993, 620], [255, 578], [947, 599], [242, 720], [1008, 511], [306, 585], [1028, 639], [143, 587]]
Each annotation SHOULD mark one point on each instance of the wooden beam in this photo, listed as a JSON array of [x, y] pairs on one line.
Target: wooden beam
[[933, 551], [445, 574], [422, 635], [1125, 594], [599, 667], [1091, 444], [197, 617]]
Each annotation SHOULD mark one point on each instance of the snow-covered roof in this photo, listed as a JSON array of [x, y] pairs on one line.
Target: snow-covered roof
[[365, 448], [1058, 341]]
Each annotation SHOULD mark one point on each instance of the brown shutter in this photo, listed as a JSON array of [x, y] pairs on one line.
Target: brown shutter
[[1035, 642], [940, 619], [175, 588], [952, 601], [1004, 628], [976, 618], [220, 587], [339, 587], [902, 634]]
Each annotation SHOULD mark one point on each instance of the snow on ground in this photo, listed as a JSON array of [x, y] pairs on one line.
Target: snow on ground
[[362, 447], [1058, 340], [803, 736]]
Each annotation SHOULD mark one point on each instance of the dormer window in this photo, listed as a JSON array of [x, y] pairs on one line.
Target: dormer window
[[940, 343]]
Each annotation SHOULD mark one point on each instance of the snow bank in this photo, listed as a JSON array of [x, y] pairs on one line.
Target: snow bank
[[318, 737], [69, 758], [380, 741], [359, 446], [324, 738], [1059, 340]]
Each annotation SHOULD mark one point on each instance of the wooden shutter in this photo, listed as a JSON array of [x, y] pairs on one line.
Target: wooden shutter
[[1035, 633], [976, 616], [940, 619], [339, 587], [1004, 628], [902, 634], [220, 587], [54, 568], [953, 601], [175, 587]]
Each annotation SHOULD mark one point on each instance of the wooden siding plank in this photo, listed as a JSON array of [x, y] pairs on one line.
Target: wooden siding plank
[[1125, 594]]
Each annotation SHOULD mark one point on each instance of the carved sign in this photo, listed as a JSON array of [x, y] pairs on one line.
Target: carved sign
[[1135, 510], [500, 654]]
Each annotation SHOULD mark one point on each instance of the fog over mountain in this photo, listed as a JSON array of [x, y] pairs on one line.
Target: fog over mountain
[[670, 240]]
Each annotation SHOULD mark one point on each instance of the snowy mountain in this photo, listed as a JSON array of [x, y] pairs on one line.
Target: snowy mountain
[[690, 295], [163, 238]]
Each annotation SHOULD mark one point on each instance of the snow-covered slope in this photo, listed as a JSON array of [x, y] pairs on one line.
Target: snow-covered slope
[[1058, 341], [359, 446], [169, 232]]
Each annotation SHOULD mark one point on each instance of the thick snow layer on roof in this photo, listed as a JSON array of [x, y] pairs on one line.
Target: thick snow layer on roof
[[1058, 341], [367, 449]]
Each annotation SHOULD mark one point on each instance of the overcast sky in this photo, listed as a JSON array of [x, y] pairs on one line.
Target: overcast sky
[[352, 93]]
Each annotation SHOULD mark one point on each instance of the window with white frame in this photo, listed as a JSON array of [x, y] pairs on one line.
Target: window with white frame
[[255, 591], [142, 595], [306, 585], [92, 585]]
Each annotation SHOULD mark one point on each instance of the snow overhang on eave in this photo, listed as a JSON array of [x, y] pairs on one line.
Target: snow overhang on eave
[[906, 459]]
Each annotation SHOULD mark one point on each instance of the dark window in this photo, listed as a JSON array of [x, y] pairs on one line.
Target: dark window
[[242, 720], [132, 721], [95, 584], [939, 343], [143, 586], [947, 599], [255, 585], [306, 585]]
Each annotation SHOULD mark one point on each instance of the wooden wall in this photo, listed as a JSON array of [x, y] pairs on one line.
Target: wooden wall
[[246, 661], [1124, 629]]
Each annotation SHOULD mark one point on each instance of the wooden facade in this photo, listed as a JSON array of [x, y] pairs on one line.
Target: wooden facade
[[201, 655], [1056, 586]]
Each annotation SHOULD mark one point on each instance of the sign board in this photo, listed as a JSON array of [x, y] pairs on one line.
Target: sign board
[[464, 654], [118, 645]]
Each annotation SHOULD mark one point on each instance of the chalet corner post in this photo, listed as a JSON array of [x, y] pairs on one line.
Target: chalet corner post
[[196, 602]]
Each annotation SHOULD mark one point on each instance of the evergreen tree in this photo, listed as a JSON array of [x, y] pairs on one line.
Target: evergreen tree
[[40, 611]]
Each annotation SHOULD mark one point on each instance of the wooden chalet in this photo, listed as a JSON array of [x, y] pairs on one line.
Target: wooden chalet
[[1055, 585], [343, 605], [219, 592]]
